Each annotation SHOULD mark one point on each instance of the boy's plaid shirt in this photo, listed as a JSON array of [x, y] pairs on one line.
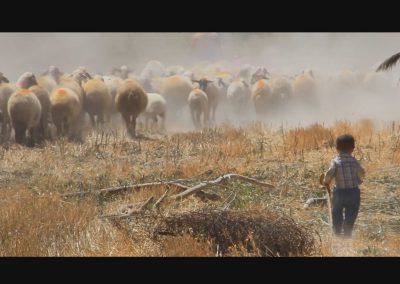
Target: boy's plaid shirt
[[346, 171]]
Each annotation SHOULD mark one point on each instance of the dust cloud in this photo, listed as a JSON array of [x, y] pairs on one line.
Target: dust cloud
[[327, 54]]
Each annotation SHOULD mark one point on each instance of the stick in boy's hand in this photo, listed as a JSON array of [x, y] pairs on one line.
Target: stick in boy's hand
[[328, 189]]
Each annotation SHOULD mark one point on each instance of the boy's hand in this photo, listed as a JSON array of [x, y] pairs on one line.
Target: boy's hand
[[326, 184], [321, 179]]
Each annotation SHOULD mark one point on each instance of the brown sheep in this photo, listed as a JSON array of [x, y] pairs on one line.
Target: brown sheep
[[304, 88], [198, 104], [24, 110], [262, 97], [66, 109], [6, 91], [28, 81], [44, 98], [98, 101], [73, 82], [50, 79], [131, 100], [282, 87]]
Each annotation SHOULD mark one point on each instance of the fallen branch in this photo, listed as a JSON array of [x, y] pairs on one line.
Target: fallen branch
[[136, 207], [221, 179], [187, 191], [120, 189], [156, 205], [315, 200], [113, 190]]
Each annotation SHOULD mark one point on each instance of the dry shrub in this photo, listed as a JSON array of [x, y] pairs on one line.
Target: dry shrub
[[258, 231], [34, 225], [362, 130], [308, 138], [186, 245], [365, 128], [342, 127]]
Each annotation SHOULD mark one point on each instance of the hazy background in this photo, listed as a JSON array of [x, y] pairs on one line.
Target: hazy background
[[325, 53], [100, 52]]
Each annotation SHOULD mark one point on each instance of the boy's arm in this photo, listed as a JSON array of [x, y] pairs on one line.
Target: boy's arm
[[330, 174]]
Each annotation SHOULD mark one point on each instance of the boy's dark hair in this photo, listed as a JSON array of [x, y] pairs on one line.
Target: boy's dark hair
[[345, 142]]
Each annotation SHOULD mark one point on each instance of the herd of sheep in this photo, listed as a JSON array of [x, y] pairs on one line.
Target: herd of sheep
[[30, 105]]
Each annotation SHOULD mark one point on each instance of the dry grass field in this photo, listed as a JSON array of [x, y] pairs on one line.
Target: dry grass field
[[36, 220]]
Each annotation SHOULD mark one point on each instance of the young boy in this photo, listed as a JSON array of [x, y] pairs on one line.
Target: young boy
[[347, 172]]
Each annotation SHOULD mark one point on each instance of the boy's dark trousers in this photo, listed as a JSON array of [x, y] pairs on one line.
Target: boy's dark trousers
[[347, 200]]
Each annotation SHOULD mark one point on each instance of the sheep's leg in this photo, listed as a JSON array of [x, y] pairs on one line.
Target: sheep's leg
[[6, 126], [193, 117], [154, 122], [42, 129], [100, 119], [146, 121], [32, 135], [198, 120], [92, 120], [3, 126], [214, 116], [108, 115], [126, 118], [68, 131], [19, 133], [59, 128], [206, 117], [133, 125], [162, 121]]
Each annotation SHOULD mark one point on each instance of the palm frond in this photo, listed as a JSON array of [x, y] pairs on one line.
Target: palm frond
[[389, 63]]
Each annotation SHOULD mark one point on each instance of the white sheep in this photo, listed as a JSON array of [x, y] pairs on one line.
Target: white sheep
[[153, 69], [156, 110], [175, 90]]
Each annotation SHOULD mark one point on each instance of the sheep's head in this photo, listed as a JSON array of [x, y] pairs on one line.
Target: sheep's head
[[203, 83], [55, 73], [3, 79], [309, 72], [27, 80], [221, 83], [81, 75], [124, 72], [98, 77], [261, 73]]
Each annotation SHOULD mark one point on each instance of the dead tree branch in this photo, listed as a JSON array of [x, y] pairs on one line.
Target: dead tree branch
[[221, 179]]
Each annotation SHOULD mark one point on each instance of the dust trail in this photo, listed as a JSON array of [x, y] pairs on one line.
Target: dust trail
[[285, 53]]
